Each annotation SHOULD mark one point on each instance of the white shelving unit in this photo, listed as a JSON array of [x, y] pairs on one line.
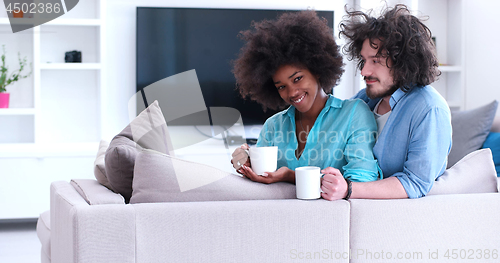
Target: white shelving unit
[[71, 66], [18, 111], [53, 126], [446, 23], [445, 20]]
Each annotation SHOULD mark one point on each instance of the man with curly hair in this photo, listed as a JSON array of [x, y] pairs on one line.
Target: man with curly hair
[[295, 62], [398, 62]]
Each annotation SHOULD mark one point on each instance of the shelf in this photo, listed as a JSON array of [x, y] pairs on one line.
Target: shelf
[[70, 66], [450, 68], [42, 150], [454, 104], [20, 111], [74, 22], [55, 22], [19, 21]]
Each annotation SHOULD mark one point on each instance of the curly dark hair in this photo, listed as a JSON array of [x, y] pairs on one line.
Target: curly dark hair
[[301, 39], [404, 39]]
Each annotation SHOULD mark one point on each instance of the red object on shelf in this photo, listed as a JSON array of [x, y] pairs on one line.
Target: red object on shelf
[[18, 14], [4, 99]]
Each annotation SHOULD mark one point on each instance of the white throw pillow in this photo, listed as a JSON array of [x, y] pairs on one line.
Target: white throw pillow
[[147, 130], [475, 173], [156, 178], [99, 165]]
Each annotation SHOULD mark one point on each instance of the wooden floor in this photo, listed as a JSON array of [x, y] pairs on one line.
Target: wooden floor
[[19, 242]]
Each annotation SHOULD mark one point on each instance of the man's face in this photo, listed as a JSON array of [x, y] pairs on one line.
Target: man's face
[[376, 72]]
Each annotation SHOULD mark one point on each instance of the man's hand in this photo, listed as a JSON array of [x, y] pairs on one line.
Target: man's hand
[[334, 186]]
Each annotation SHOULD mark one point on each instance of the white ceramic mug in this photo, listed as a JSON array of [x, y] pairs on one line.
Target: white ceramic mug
[[263, 159], [308, 182]]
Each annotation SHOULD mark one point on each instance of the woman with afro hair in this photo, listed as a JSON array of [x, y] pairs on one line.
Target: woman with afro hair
[[294, 62]]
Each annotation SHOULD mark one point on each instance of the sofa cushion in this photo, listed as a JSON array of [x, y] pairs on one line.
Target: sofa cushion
[[493, 142], [475, 173], [99, 165], [470, 129], [94, 193], [147, 130], [156, 180]]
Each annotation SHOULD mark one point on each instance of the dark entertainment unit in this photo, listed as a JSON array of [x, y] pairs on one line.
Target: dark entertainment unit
[[175, 40]]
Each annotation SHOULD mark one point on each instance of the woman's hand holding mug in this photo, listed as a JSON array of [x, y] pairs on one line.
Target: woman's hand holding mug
[[240, 157]]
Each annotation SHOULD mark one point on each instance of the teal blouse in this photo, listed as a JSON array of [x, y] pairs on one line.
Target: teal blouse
[[342, 137]]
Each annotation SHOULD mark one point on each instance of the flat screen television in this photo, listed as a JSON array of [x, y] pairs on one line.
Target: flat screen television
[[175, 40]]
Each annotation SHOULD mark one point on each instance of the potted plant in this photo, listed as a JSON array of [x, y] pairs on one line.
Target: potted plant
[[6, 79]]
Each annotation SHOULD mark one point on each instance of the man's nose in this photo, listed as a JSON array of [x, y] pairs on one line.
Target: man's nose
[[366, 70]]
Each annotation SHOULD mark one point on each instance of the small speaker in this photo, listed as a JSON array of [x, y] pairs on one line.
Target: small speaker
[[73, 56]]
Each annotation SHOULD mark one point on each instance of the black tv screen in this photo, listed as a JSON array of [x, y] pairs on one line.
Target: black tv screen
[[175, 40]]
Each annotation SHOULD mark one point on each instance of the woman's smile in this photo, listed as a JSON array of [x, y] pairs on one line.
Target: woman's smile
[[300, 99]]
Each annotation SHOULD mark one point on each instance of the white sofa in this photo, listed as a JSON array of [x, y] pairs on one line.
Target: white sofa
[[87, 222], [95, 225]]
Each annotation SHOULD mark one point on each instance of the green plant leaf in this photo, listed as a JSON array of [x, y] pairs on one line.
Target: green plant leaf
[[15, 75]]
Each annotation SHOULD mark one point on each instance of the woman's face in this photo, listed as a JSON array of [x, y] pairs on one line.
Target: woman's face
[[297, 86]]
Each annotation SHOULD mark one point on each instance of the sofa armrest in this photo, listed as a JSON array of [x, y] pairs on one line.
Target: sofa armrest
[[243, 231], [63, 198], [95, 193], [89, 233]]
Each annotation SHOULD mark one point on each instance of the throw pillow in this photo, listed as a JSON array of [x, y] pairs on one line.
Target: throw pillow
[[475, 173], [155, 180], [99, 166], [119, 163], [147, 130], [493, 142], [470, 129]]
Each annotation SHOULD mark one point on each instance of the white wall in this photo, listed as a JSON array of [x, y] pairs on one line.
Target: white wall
[[482, 55], [121, 48]]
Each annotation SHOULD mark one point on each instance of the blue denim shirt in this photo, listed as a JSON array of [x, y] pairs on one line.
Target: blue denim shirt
[[416, 139], [342, 136]]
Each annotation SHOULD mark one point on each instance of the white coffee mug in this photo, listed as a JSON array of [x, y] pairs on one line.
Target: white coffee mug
[[308, 182], [263, 159]]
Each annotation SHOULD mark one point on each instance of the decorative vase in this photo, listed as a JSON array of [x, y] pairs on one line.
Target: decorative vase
[[4, 99]]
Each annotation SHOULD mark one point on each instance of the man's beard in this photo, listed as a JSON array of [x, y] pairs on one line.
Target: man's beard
[[389, 92]]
